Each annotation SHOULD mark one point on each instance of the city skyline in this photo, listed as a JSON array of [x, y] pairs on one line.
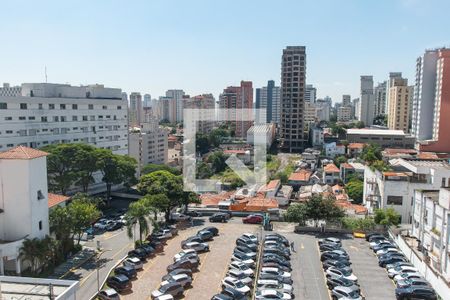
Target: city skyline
[[143, 50]]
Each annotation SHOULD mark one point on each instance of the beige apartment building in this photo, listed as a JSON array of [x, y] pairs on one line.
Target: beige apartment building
[[399, 105]]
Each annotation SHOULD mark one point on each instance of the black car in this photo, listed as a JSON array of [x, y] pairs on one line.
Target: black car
[[332, 256], [277, 260], [193, 213], [382, 262], [205, 235], [212, 229], [280, 279], [218, 218], [114, 226], [248, 244], [139, 253], [279, 252], [377, 238], [383, 246], [244, 249], [333, 282], [415, 292], [369, 235], [391, 254], [191, 239], [183, 264], [329, 247], [119, 282], [147, 248], [221, 297], [227, 214], [180, 271], [335, 263], [234, 294], [158, 246], [128, 271]]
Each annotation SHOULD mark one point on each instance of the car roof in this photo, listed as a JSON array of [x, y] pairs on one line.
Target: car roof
[[268, 292], [110, 292], [170, 284], [345, 289], [121, 277]]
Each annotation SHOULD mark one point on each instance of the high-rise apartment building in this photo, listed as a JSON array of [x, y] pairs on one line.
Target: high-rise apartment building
[[399, 104], [168, 109], [178, 96], [147, 100], [206, 104], [136, 111], [44, 114], [389, 84], [380, 92], [268, 98], [344, 114], [310, 93], [293, 76], [346, 100], [237, 98], [366, 102]]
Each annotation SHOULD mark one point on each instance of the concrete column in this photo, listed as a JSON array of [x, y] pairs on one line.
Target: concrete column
[[2, 267], [18, 271]]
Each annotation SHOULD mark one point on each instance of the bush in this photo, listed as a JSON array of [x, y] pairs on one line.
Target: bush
[[365, 224]]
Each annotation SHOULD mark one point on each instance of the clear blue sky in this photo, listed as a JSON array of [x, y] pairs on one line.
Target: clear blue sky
[[204, 46]]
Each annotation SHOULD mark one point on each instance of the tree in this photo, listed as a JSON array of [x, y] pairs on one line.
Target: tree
[[83, 212], [201, 143], [203, 170], [338, 160], [188, 198], [85, 164], [157, 167], [364, 224], [380, 120], [297, 213], [387, 216], [320, 208], [163, 182], [60, 171], [116, 169], [360, 124], [216, 135], [355, 189], [61, 226], [217, 160], [155, 203], [371, 153], [31, 251], [137, 214]]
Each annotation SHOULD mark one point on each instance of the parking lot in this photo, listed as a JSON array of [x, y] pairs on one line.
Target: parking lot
[[214, 264], [374, 281]]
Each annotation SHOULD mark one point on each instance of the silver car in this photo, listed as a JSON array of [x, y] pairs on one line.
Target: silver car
[[345, 293]]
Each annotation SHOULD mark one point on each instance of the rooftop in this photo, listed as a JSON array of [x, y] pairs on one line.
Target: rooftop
[[22, 152], [365, 131], [331, 168], [302, 175], [356, 145], [55, 199], [273, 184], [346, 166]]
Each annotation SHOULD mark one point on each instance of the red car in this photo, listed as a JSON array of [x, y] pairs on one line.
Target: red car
[[252, 219]]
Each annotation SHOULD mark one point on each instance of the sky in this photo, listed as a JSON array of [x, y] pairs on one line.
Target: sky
[[203, 46]]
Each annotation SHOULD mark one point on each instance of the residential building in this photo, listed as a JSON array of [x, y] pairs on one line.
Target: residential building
[[356, 110], [399, 105], [15, 287], [396, 188], [367, 101], [271, 188], [135, 112], [323, 108], [346, 100], [147, 100], [168, 108], [206, 104], [310, 93], [333, 149], [23, 203], [382, 137], [300, 178], [45, 114], [293, 76], [346, 170], [10, 91], [389, 84], [268, 98], [431, 226], [355, 149], [234, 99], [331, 174], [316, 136], [265, 131], [309, 113], [178, 97], [433, 128], [344, 114], [148, 145], [380, 98]]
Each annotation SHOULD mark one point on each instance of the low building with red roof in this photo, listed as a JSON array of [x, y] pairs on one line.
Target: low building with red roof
[[354, 149], [331, 174], [297, 179], [271, 188], [57, 200]]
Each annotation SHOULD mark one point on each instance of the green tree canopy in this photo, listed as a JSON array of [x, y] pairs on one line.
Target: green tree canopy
[[138, 213], [338, 160], [147, 169], [387, 216], [83, 212], [355, 189], [371, 153], [217, 161]]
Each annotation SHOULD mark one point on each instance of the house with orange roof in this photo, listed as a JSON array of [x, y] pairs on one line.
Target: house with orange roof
[[297, 179], [271, 188], [355, 149], [331, 174], [346, 170], [255, 204], [55, 200], [352, 210]]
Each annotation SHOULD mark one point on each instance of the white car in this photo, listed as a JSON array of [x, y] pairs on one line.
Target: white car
[[102, 224], [275, 271], [373, 244], [236, 265], [274, 285], [401, 269], [183, 279], [180, 217], [387, 250], [333, 272], [271, 294], [198, 247], [249, 262], [240, 276], [133, 262], [402, 276], [235, 284], [165, 297], [251, 237], [183, 253]]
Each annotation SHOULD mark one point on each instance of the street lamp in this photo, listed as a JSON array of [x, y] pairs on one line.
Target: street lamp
[[98, 263]]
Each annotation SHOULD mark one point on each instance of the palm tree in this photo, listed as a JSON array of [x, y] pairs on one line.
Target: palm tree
[[31, 252], [137, 214]]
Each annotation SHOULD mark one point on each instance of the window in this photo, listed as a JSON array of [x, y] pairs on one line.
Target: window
[[10, 145], [40, 225], [43, 119], [40, 106], [51, 106], [23, 106], [8, 118], [3, 105], [40, 196], [118, 106], [85, 118], [91, 106], [55, 119], [394, 200], [62, 106], [74, 118], [8, 131], [443, 182], [92, 118], [104, 107], [74, 106], [31, 118], [63, 119], [22, 118]]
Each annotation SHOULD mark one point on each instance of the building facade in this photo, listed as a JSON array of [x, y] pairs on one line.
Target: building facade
[[366, 108], [45, 114], [236, 98], [293, 76], [268, 98], [380, 98], [399, 105], [346, 100], [344, 114], [206, 103], [135, 111], [383, 138], [310, 93], [178, 97]]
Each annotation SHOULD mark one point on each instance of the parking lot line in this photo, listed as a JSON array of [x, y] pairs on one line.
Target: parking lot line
[[324, 276], [202, 260]]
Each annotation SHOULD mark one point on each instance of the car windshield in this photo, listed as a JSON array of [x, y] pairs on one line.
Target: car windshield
[[239, 284], [346, 272], [354, 295]]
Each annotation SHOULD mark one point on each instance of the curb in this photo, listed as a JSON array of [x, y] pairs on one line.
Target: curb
[[106, 278], [77, 265]]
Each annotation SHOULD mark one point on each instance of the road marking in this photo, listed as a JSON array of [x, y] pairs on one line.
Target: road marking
[[323, 273], [110, 236], [354, 248], [302, 246], [198, 272]]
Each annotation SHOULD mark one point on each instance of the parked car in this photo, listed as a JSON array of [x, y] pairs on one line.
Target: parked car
[[212, 229], [162, 234], [183, 264], [134, 262], [382, 245], [276, 265], [198, 247], [236, 265], [250, 255], [379, 241], [128, 271], [218, 217], [280, 279], [205, 235], [333, 282], [241, 257], [275, 271], [277, 251], [114, 225], [191, 239], [246, 250], [119, 282], [335, 263], [400, 263], [330, 240], [183, 279], [404, 283], [240, 276], [233, 293], [179, 271], [108, 294], [149, 250], [344, 273], [275, 256], [275, 285], [415, 292], [165, 297], [158, 246], [248, 244], [252, 219], [401, 269], [180, 217], [253, 238], [235, 284], [221, 297], [187, 253], [194, 213], [407, 276], [330, 255], [329, 247], [280, 261], [373, 234], [139, 253], [344, 293], [271, 294], [102, 224], [278, 238], [383, 261], [171, 288]]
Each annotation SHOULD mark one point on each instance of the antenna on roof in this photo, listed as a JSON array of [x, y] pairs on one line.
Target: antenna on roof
[[45, 74]]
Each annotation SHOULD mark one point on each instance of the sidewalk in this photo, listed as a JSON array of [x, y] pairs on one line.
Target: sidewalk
[[72, 263]]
